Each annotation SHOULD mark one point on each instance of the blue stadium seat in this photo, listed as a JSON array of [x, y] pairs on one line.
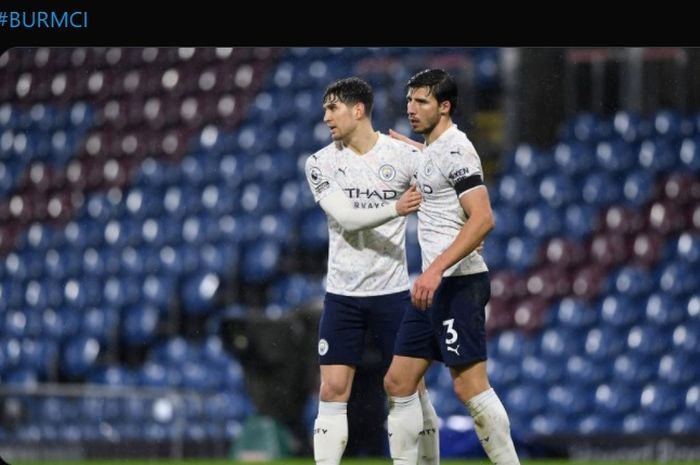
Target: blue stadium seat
[[604, 343], [581, 128], [198, 292], [664, 310], [575, 314], [522, 253], [79, 355], [140, 324], [637, 188], [531, 162], [259, 197], [549, 422], [503, 373], [634, 368], [614, 156], [112, 375], [586, 371], [559, 344], [638, 423], [689, 154], [100, 323], [541, 221], [685, 423], [580, 220], [597, 423], [657, 156], [21, 376], [667, 124], [688, 248], [678, 279], [660, 399], [570, 400], [686, 337], [648, 339], [508, 221], [517, 190], [620, 311], [599, 189], [526, 399], [632, 281], [313, 230], [616, 399], [155, 374], [513, 345], [538, 370], [558, 190], [574, 158], [677, 369]]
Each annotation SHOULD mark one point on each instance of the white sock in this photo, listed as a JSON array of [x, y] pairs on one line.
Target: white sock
[[405, 423], [493, 427], [330, 432], [429, 439]]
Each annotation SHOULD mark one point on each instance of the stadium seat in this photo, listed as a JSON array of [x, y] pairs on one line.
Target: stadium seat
[[140, 324], [614, 156], [78, 356], [585, 371], [616, 399], [570, 400], [656, 156], [536, 370], [604, 343], [574, 158], [639, 423], [689, 154], [661, 400], [677, 370], [620, 311], [686, 337], [575, 314], [633, 368], [526, 400]]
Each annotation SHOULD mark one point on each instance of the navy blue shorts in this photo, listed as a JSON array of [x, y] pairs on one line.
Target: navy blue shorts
[[345, 321], [453, 329]]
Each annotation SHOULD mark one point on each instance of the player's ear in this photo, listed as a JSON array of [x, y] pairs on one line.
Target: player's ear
[[358, 110], [444, 107]]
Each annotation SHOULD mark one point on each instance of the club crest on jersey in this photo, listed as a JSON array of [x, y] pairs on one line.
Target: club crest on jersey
[[315, 175], [428, 168], [322, 347], [387, 172]]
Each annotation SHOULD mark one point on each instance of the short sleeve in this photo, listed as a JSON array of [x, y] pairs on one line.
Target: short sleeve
[[462, 167], [319, 175]]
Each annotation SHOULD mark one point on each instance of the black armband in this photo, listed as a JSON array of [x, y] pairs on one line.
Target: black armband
[[464, 184]]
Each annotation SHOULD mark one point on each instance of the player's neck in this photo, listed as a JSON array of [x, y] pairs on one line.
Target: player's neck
[[438, 130], [362, 141]]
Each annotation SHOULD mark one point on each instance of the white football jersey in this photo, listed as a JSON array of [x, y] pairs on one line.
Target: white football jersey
[[449, 163], [371, 261]]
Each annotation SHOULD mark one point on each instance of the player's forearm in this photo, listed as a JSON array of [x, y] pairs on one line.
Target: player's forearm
[[470, 236], [354, 219]]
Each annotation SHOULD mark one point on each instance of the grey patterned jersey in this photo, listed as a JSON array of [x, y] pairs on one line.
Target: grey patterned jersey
[[450, 164], [372, 261]]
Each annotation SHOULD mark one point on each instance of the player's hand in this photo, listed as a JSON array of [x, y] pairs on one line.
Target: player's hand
[[398, 136], [409, 201], [480, 247], [424, 289]]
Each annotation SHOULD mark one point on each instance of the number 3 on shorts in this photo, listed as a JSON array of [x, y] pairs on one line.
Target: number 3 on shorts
[[451, 333]]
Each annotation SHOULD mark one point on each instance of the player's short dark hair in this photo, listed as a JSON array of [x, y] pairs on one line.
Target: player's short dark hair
[[350, 91], [441, 84]]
